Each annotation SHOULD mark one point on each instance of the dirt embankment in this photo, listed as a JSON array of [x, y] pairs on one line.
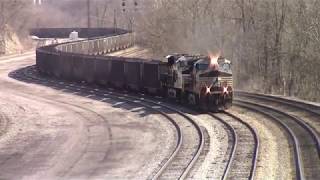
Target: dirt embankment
[[11, 42]]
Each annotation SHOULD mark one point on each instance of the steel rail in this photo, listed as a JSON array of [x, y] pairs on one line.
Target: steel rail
[[294, 139], [179, 134], [313, 144], [294, 104], [256, 145], [289, 102], [138, 101], [302, 123], [233, 148], [127, 53]]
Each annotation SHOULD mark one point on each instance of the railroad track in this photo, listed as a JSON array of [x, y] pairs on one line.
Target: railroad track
[[312, 110], [303, 138], [242, 160], [190, 139], [137, 52], [311, 130], [289, 102], [127, 52], [243, 157]]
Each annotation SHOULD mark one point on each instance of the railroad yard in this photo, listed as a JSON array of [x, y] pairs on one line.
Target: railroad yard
[[52, 128], [159, 90]]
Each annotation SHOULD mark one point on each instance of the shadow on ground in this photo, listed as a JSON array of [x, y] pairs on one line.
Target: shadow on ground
[[117, 98]]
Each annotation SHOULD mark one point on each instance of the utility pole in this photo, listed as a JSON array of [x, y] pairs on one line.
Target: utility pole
[[88, 11], [115, 20], [89, 23]]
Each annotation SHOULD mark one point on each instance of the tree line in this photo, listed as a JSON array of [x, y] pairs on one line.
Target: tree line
[[273, 44]]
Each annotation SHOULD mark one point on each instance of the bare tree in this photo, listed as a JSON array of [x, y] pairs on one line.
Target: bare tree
[[10, 18], [274, 45]]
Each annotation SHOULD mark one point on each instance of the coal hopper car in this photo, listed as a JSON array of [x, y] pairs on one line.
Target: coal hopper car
[[202, 82]]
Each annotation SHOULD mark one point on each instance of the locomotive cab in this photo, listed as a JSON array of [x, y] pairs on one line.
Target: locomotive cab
[[214, 84], [199, 81]]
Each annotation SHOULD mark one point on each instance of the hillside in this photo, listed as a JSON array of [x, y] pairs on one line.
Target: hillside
[[10, 42]]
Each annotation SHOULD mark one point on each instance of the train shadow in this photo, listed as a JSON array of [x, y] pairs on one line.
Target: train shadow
[[104, 94]]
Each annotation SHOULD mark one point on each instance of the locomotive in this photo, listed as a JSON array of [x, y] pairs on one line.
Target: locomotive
[[199, 81]]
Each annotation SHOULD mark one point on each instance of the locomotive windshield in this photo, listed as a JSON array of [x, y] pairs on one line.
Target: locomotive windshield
[[202, 66], [226, 66]]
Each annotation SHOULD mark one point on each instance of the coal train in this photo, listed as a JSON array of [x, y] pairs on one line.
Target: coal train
[[193, 80], [202, 82]]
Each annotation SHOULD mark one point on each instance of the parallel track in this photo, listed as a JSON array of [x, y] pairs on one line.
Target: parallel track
[[302, 137], [127, 52], [176, 167], [313, 110], [292, 103], [184, 156], [243, 158]]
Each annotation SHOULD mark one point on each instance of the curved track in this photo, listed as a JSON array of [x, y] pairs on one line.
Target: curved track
[[303, 137], [289, 102], [312, 110], [190, 136], [245, 142], [190, 139], [133, 52], [68, 136]]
